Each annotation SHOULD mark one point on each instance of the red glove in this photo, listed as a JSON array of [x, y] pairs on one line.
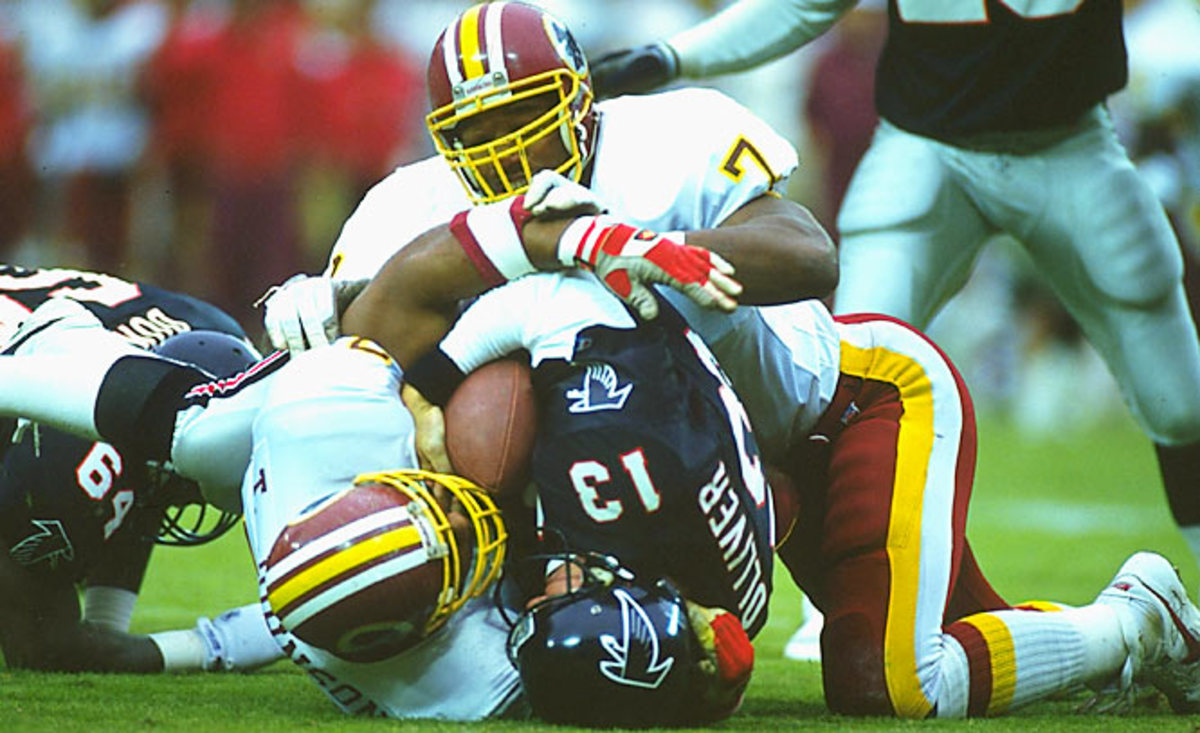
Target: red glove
[[627, 260], [728, 663]]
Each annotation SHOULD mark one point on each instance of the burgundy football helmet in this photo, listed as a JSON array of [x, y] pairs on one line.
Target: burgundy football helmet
[[498, 54], [375, 568]]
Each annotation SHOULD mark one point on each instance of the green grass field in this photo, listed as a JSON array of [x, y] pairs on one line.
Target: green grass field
[[1049, 521]]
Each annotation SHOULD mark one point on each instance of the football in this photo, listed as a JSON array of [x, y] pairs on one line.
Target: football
[[355, 575], [491, 422]]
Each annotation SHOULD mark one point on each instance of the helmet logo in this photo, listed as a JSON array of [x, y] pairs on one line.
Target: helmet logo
[[634, 657], [565, 46], [601, 390]]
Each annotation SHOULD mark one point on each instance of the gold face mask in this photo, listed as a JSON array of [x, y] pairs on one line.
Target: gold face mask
[[502, 166], [511, 95]]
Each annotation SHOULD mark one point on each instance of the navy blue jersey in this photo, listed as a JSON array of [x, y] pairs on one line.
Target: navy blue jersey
[[62, 497], [640, 455], [144, 314], [950, 70]]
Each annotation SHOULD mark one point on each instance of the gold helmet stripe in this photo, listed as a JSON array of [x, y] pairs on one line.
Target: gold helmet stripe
[[293, 617], [468, 43], [344, 535], [333, 567]]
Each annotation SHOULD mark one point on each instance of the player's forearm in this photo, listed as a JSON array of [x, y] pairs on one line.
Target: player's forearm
[[411, 303], [85, 648], [780, 252], [752, 32]]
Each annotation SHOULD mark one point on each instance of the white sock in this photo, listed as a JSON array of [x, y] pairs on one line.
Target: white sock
[[108, 607], [182, 651], [1104, 650]]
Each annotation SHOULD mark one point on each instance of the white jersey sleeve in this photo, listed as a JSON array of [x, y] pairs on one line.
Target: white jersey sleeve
[[752, 32], [541, 313], [411, 200], [685, 159]]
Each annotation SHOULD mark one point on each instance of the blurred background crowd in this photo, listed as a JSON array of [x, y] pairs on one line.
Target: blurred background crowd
[[215, 147]]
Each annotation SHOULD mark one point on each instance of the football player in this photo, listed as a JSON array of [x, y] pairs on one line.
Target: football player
[[866, 404], [352, 575], [642, 453], [75, 511], [993, 120], [330, 548]]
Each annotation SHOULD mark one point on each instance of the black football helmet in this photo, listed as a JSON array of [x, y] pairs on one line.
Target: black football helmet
[[187, 519], [615, 651]]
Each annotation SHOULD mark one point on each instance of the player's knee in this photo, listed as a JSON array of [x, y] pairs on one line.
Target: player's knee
[[1170, 422], [852, 666], [1141, 277]]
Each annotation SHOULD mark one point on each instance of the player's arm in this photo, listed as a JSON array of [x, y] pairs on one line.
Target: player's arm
[[780, 252], [744, 35], [410, 304], [114, 579], [40, 628]]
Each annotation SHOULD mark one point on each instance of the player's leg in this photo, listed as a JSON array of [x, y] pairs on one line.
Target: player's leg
[[804, 645], [899, 480], [909, 235], [1108, 249], [1141, 628]]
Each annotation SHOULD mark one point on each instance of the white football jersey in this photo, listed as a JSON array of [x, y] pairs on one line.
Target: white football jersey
[[327, 416], [677, 161], [681, 160]]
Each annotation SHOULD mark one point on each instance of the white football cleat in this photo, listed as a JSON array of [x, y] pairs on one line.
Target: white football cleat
[[805, 644], [1161, 627], [53, 328]]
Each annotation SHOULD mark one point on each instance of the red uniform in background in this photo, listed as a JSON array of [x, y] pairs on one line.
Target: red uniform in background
[[366, 109], [16, 179], [255, 102]]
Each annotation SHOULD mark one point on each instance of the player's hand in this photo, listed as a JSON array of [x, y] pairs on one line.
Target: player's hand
[[635, 70], [628, 260], [237, 640], [430, 425], [304, 311], [301, 313], [551, 194], [728, 660]]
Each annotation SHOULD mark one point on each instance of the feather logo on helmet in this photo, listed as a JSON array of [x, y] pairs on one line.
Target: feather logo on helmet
[[566, 46], [634, 657]]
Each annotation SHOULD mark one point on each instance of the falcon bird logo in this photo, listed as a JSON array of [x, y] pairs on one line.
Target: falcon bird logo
[[634, 657], [49, 543], [601, 390]]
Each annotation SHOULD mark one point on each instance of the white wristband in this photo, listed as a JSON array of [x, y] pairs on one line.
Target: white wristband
[[576, 241], [496, 235], [182, 651], [108, 607]]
